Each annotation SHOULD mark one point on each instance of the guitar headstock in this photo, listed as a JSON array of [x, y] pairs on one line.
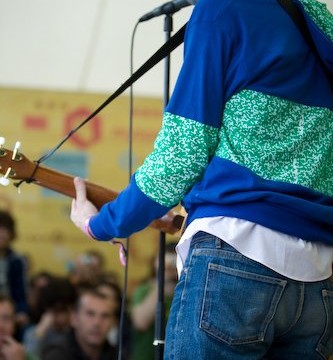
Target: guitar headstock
[[13, 164]]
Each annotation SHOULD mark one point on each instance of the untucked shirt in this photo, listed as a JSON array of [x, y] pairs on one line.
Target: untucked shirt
[[292, 257]]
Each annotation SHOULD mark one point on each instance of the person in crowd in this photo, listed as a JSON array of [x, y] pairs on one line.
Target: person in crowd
[[247, 146], [144, 304], [112, 290], [55, 303], [36, 283], [10, 348], [13, 270], [91, 321], [87, 269]]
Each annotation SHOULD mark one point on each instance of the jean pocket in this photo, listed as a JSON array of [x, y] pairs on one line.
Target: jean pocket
[[325, 345], [238, 305]]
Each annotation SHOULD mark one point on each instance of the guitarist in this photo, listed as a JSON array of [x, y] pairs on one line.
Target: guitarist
[[246, 145]]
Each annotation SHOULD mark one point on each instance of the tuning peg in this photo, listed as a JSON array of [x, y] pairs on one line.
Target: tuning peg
[[2, 143], [4, 179], [16, 155]]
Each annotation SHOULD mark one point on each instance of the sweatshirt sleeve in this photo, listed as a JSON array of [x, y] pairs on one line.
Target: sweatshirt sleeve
[[181, 153], [185, 143]]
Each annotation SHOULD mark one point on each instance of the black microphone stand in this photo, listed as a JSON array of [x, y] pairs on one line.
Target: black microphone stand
[[159, 339]]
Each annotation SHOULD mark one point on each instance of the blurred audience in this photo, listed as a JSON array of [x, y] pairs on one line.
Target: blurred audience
[[91, 321], [112, 290], [10, 348], [55, 302], [36, 283], [143, 306], [13, 270], [76, 317]]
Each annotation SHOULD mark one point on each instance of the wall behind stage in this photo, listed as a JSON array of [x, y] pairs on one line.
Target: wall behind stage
[[99, 152]]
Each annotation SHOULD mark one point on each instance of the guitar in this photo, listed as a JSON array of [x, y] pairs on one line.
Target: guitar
[[14, 165]]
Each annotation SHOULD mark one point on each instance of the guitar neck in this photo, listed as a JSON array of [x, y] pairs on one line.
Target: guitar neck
[[63, 183], [15, 165]]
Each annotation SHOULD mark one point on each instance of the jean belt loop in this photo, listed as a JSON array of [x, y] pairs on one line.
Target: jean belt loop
[[218, 243]]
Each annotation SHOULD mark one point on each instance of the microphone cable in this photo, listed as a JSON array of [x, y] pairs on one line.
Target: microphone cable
[[130, 172]]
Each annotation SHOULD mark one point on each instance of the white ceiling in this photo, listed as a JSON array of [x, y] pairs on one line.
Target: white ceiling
[[82, 45]]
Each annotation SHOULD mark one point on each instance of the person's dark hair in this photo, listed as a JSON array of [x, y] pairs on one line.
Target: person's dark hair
[[40, 275], [88, 291], [7, 221], [58, 294], [116, 291]]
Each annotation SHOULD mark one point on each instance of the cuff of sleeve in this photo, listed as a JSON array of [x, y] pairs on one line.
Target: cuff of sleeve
[[130, 212], [87, 229]]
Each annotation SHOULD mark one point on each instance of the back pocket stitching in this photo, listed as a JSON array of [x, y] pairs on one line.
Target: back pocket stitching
[[208, 327]]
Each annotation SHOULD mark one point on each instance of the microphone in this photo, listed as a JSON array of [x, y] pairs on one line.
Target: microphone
[[168, 8]]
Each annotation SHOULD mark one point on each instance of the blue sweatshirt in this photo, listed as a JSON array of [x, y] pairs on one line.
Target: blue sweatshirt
[[248, 132]]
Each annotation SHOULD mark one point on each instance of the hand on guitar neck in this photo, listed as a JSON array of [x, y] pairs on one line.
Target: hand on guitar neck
[[14, 165]]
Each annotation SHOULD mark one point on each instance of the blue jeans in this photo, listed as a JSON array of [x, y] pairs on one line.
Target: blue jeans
[[227, 306]]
